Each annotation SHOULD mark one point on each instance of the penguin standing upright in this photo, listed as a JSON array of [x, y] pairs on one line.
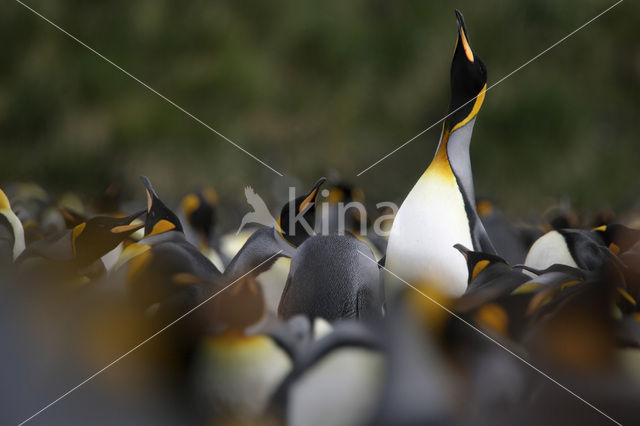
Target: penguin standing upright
[[440, 209]]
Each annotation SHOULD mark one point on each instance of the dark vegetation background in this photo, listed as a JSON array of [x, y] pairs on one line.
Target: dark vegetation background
[[319, 87]]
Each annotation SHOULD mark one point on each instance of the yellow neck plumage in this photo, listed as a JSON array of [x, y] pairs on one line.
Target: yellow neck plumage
[[440, 165]]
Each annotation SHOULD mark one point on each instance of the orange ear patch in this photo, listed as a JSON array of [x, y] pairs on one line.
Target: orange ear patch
[[77, 230], [184, 278], [210, 195], [479, 268], [190, 203], [162, 226], [492, 316], [615, 249]]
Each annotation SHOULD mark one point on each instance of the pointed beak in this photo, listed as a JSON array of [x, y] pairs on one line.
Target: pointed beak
[[122, 229], [312, 195], [125, 226], [151, 194], [463, 37], [463, 250]]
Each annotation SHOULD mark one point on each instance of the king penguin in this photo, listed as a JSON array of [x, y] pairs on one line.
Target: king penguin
[[163, 271], [268, 243], [440, 209], [581, 248]]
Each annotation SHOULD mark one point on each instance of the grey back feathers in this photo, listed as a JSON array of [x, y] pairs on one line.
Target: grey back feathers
[[330, 278]]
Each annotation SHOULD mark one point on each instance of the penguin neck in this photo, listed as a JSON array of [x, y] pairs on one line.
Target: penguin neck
[[261, 246], [452, 161]]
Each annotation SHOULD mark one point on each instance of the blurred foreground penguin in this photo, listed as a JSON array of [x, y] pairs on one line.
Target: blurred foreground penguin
[[337, 381], [11, 232], [235, 371], [77, 251], [440, 209]]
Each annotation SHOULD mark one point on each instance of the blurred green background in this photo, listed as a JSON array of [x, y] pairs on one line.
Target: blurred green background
[[316, 88]]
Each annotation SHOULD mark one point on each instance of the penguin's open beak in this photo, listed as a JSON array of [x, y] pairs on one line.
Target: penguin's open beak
[[463, 38], [312, 195], [463, 250]]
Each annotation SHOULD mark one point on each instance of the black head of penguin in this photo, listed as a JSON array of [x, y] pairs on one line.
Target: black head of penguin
[[477, 261], [468, 79], [200, 210], [159, 217], [97, 236], [292, 229], [618, 238], [71, 217]]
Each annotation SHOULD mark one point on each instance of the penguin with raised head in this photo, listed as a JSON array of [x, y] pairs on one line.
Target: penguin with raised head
[[350, 355], [11, 232], [236, 371], [440, 210], [269, 243], [163, 269]]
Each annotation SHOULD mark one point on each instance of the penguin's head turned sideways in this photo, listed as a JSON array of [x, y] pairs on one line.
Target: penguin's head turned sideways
[[468, 80]]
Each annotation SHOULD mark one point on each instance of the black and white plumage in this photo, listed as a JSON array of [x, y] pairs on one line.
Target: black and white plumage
[[440, 209]]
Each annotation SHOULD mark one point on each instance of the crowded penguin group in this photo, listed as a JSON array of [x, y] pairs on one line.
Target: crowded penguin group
[[457, 317]]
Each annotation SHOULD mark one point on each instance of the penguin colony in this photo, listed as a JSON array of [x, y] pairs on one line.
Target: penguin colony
[[300, 328]]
